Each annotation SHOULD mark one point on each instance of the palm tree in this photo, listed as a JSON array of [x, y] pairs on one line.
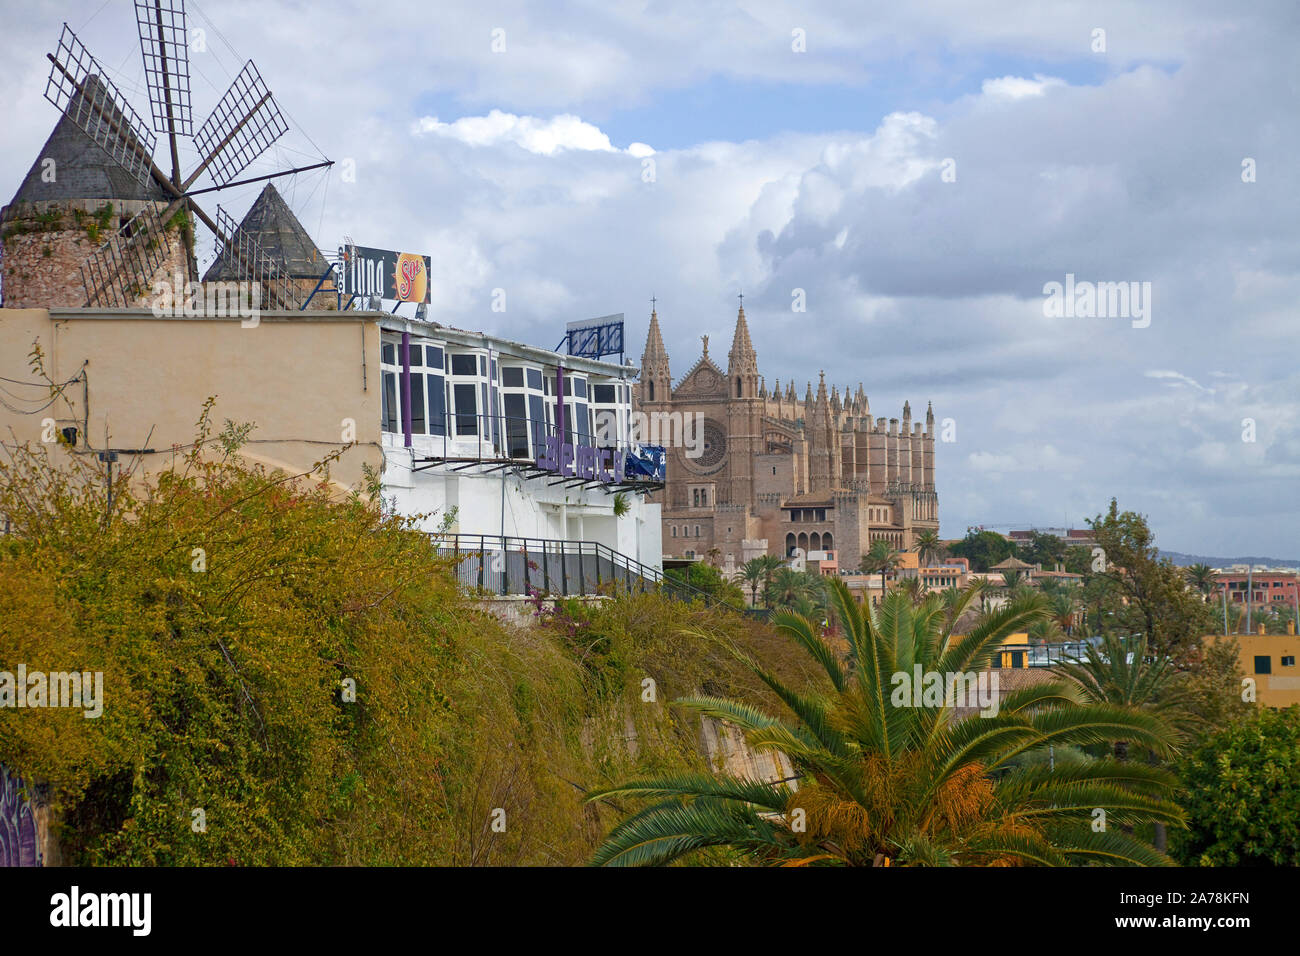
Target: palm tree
[[928, 546], [881, 782], [770, 564], [787, 585], [753, 574], [1062, 602], [914, 588], [1119, 672], [790, 588], [881, 557], [1201, 577], [1046, 632]]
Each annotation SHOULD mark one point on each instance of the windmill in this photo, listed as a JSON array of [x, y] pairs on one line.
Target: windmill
[[245, 123]]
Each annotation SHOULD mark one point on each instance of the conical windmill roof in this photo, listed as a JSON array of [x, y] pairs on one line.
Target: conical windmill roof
[[82, 169], [282, 236]]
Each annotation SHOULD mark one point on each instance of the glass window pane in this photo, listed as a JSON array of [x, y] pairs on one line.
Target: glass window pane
[[389, 403], [433, 356], [603, 394], [490, 409], [466, 397], [537, 418], [389, 354], [482, 365], [417, 356], [437, 406], [584, 429], [418, 426], [512, 377], [516, 427], [535, 379], [463, 365]]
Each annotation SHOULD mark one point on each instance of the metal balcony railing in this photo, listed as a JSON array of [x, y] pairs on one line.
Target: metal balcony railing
[[464, 438], [507, 565], [1049, 655]]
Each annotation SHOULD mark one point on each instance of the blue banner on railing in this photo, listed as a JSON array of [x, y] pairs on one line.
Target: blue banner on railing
[[648, 462]]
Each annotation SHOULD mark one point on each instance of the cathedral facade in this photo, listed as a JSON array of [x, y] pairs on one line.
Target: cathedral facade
[[778, 474]]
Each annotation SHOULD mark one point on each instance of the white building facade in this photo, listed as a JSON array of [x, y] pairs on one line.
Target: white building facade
[[485, 436]]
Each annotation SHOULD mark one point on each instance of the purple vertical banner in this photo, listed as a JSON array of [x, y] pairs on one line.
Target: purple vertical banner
[[559, 402], [406, 387], [18, 845]]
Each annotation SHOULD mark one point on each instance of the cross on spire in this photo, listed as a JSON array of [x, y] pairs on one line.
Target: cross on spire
[[653, 300], [741, 297]]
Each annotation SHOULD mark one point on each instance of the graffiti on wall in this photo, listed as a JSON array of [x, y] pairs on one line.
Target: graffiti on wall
[[18, 842]]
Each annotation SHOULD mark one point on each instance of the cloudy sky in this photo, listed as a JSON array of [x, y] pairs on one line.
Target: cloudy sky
[[920, 171]]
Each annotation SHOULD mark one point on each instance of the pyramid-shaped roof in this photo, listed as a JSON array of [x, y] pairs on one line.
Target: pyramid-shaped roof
[[283, 239], [82, 169]]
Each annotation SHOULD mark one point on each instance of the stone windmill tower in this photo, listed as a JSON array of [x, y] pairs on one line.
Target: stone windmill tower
[[96, 221], [73, 199]]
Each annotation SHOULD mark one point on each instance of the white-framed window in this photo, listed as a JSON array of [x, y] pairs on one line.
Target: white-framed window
[[428, 388], [577, 410], [469, 408], [523, 409], [611, 410]]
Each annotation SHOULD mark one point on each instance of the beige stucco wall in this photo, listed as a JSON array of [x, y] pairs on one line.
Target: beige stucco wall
[[296, 376]]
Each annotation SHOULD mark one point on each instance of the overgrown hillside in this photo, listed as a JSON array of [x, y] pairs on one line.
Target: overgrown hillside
[[293, 679]]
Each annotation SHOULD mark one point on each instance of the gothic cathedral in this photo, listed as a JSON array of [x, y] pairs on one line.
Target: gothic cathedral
[[777, 474]]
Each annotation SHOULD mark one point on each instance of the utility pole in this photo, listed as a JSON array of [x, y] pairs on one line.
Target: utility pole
[[108, 458], [1250, 595]]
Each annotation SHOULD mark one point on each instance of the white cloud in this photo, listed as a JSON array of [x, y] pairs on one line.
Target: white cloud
[[546, 137], [1176, 378], [1018, 87]]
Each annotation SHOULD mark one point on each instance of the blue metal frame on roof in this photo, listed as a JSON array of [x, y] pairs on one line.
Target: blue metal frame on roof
[[595, 338]]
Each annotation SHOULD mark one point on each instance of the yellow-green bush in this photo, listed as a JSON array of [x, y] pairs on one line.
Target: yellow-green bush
[[224, 673]]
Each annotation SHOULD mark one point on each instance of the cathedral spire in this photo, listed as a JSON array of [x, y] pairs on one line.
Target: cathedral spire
[[654, 341], [742, 361], [740, 341], [656, 379]]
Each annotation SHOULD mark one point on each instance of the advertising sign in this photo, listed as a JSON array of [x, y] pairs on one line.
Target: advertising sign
[[396, 276], [596, 338]]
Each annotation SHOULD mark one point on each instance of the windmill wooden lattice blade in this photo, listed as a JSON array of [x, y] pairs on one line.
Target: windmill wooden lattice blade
[[243, 125], [164, 45], [120, 271], [79, 87], [240, 251]]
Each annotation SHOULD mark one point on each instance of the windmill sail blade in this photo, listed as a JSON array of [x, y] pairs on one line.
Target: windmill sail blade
[[120, 271], [242, 126], [164, 44], [79, 87], [240, 252]]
